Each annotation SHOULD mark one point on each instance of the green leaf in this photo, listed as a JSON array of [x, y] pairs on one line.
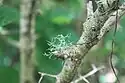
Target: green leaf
[[8, 15], [61, 15], [61, 20]]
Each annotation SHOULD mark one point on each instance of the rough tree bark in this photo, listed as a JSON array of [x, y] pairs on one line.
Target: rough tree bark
[[93, 31], [27, 40]]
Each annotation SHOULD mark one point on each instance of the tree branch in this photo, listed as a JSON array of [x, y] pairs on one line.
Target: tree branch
[[95, 69], [89, 37], [1, 2], [45, 74], [94, 29], [27, 40], [3, 35], [111, 21], [89, 9]]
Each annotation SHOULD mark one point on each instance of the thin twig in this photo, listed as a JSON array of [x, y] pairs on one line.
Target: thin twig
[[12, 42], [89, 9], [95, 69], [45, 74]]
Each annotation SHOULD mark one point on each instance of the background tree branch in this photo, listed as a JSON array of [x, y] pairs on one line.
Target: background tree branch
[[27, 40], [3, 35]]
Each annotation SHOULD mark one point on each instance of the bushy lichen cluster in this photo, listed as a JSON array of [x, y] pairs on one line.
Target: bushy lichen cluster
[[58, 43]]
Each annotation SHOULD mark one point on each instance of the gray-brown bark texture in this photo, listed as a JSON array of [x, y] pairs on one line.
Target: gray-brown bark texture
[[27, 40], [90, 36]]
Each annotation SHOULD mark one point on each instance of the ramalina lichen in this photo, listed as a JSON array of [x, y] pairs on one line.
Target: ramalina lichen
[[58, 43]]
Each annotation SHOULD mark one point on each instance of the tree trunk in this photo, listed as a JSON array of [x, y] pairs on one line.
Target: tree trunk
[[27, 41]]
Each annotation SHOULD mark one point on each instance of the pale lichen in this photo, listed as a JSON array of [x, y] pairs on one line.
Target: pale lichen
[[57, 43]]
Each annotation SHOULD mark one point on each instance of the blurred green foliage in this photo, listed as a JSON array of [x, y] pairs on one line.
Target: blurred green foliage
[[8, 15], [53, 21], [8, 75], [57, 18]]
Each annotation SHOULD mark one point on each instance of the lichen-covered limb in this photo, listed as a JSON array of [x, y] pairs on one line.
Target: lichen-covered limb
[[89, 37], [111, 20]]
